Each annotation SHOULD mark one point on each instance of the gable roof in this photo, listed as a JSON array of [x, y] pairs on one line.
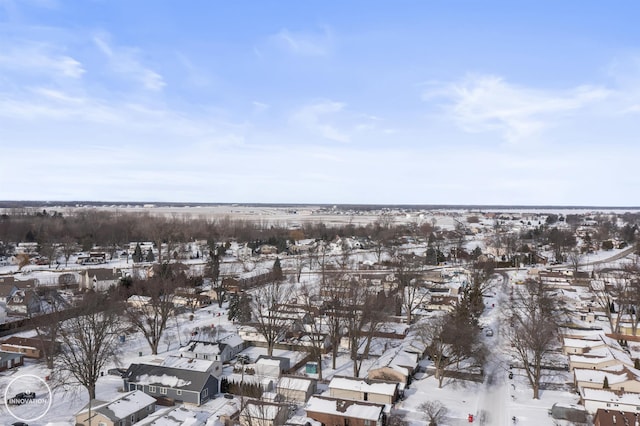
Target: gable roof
[[361, 385], [345, 408], [170, 377], [120, 408]]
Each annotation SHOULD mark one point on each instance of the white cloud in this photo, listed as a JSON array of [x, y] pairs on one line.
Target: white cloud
[[483, 103], [40, 58], [305, 43], [125, 61], [318, 118]]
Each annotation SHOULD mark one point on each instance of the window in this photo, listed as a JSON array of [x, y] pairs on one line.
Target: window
[[163, 391], [367, 423], [179, 392], [205, 392], [205, 357], [132, 387], [152, 389], [102, 424], [133, 418], [366, 396]]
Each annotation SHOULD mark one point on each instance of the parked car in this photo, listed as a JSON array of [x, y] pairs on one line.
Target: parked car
[[488, 332], [117, 372]]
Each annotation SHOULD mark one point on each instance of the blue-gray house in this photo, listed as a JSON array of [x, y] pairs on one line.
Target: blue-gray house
[[189, 386]]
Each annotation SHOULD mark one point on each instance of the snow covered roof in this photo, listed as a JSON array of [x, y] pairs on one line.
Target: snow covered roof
[[610, 396], [232, 340], [167, 376], [261, 410], [187, 363], [295, 383], [361, 385], [122, 407], [597, 376], [207, 348], [175, 416], [344, 408]]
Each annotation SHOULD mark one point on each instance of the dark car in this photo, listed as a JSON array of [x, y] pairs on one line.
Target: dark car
[[122, 372], [22, 398], [19, 424]]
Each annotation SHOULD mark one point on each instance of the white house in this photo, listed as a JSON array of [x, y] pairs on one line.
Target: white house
[[593, 399]]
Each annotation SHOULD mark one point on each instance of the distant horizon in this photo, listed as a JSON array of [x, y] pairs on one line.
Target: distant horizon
[[151, 204]]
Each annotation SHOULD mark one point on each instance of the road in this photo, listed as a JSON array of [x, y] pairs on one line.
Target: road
[[494, 406]]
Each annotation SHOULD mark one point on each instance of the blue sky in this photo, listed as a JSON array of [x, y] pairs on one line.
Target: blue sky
[[424, 102]]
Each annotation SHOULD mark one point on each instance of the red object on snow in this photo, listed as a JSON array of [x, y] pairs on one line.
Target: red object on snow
[[470, 418]]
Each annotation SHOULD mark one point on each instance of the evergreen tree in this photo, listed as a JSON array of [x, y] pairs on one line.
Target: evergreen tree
[[277, 270], [605, 383], [137, 254], [150, 256]]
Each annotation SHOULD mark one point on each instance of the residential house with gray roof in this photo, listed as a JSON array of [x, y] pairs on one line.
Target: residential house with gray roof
[[178, 384]]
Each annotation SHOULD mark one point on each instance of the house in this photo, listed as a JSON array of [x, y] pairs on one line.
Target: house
[[24, 303], [212, 367], [263, 413], [378, 391], [619, 378], [223, 350], [123, 411], [272, 366], [137, 301], [595, 399], [99, 279], [615, 418], [30, 347], [340, 412], [296, 389], [600, 359], [178, 384], [175, 416], [7, 289], [9, 360], [395, 365], [587, 344]]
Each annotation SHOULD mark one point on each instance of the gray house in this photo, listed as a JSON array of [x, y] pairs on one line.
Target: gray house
[[123, 411], [189, 386]]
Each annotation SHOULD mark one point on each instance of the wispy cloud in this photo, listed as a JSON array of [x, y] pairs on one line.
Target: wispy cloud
[[319, 117], [125, 61], [39, 58], [481, 103], [305, 43]]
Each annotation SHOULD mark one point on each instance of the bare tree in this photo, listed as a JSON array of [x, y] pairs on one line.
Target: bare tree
[[335, 311], [68, 245], [48, 326], [88, 343], [612, 295], [212, 270], [316, 329], [533, 335], [265, 305], [450, 340], [433, 411], [575, 259], [410, 287], [151, 317], [364, 316]]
